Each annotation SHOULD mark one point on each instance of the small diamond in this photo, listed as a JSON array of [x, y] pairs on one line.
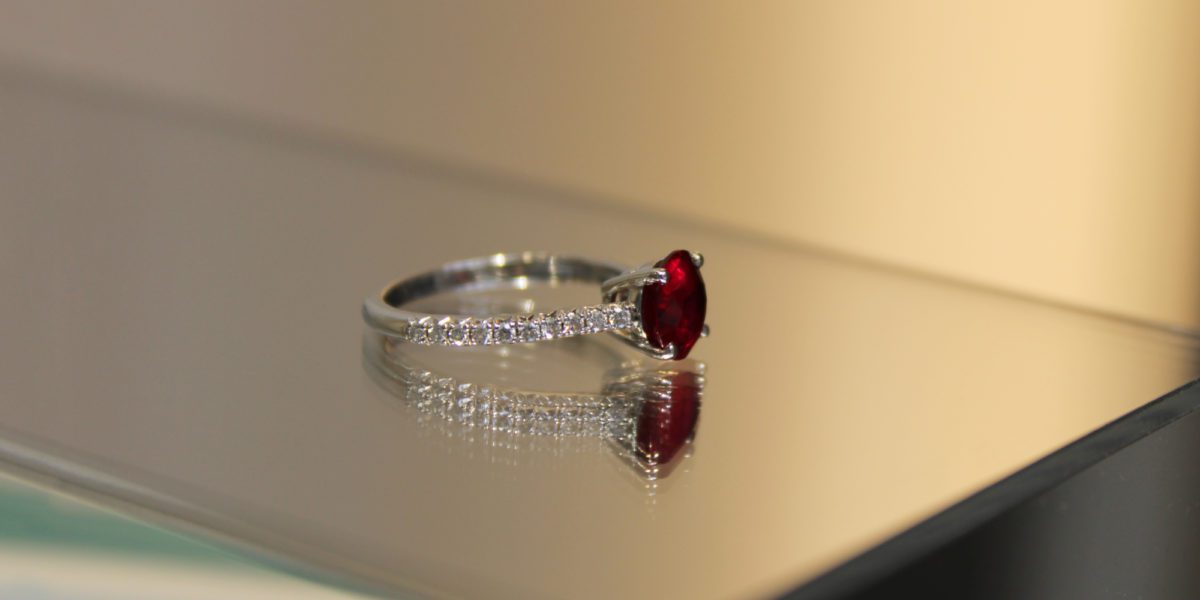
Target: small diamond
[[442, 395], [420, 331], [568, 418], [596, 319], [550, 326], [592, 417], [531, 328], [522, 415], [569, 323], [619, 316], [504, 331], [451, 333], [544, 415], [466, 402], [420, 390], [484, 400], [502, 411], [420, 377], [618, 424], [558, 323], [476, 332]]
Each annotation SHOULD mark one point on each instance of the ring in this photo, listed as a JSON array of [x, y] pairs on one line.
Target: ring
[[658, 308]]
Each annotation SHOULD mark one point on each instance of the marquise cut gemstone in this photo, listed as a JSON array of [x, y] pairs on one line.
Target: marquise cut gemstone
[[673, 312]]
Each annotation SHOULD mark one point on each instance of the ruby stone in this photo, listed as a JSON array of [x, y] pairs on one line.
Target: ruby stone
[[673, 312], [665, 426]]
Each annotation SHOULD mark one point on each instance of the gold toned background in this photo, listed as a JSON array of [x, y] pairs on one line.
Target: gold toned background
[[1049, 148]]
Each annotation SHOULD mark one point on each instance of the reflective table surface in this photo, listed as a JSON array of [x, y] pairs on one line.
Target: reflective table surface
[[181, 337]]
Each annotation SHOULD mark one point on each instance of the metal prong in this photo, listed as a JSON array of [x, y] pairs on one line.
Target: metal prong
[[704, 330], [697, 259], [635, 278], [667, 353]]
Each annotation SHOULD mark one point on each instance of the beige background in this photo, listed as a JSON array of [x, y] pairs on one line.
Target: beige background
[[1049, 148]]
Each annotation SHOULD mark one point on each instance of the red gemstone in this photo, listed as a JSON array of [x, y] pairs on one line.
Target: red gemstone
[[665, 426], [673, 312]]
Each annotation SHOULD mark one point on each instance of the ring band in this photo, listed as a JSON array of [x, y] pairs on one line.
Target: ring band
[[657, 308]]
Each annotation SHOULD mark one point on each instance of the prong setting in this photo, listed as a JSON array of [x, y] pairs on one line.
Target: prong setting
[[632, 279]]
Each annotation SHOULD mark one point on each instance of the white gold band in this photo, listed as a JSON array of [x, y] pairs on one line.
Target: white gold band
[[384, 312]]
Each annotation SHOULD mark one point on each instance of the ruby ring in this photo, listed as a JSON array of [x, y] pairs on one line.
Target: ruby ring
[[658, 308]]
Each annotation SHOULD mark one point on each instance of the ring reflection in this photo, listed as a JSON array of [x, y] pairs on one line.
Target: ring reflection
[[644, 411]]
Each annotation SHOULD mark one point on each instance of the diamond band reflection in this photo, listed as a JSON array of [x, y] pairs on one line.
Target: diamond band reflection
[[648, 415]]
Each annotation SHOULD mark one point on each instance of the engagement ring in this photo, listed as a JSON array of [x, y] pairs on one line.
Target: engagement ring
[[658, 308]]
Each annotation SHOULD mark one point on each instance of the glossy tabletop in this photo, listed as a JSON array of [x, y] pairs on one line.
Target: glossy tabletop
[[180, 335]]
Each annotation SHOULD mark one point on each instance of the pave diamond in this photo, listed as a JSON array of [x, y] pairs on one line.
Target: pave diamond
[[522, 414], [550, 326], [474, 333], [597, 321], [543, 416], [466, 402], [484, 402], [570, 323], [420, 331], [502, 411], [619, 316], [561, 321], [419, 390], [531, 328], [443, 393], [568, 418], [592, 417], [504, 331], [447, 332]]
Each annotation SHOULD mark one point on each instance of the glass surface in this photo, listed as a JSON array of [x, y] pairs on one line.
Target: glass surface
[[53, 546], [1083, 523], [181, 333]]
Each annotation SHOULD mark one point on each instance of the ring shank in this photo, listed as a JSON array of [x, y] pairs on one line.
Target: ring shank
[[498, 271], [384, 311]]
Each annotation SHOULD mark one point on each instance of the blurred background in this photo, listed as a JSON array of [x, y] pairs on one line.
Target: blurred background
[[1046, 148]]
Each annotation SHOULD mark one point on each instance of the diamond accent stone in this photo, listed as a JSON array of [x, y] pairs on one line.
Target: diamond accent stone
[[562, 323], [450, 332], [443, 393], [543, 416], [484, 403], [569, 418], [420, 332], [465, 402], [504, 331], [596, 318], [619, 316], [502, 411], [550, 326], [522, 414], [531, 328], [474, 333], [570, 323]]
